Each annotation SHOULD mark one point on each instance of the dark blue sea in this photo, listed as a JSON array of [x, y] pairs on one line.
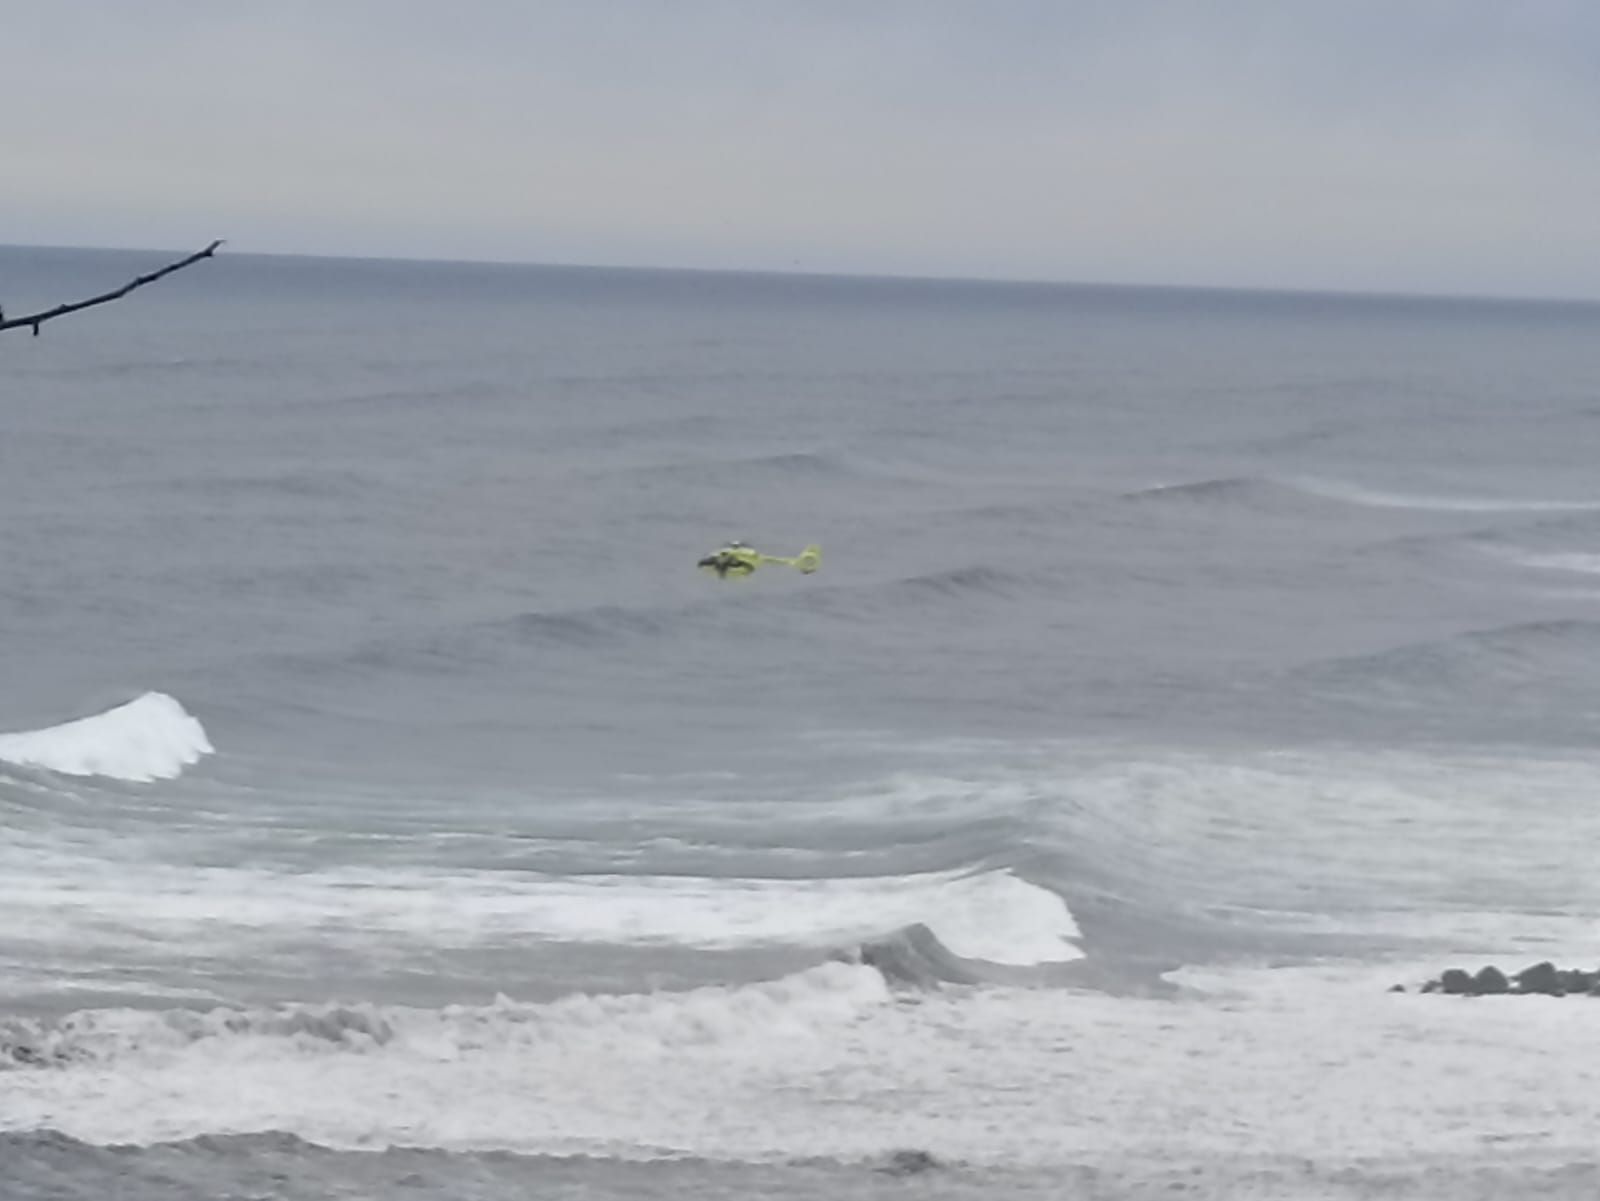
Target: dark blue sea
[[390, 808]]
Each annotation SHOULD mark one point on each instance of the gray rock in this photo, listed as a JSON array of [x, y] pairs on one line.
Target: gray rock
[[1541, 978], [1576, 980], [1489, 982], [1456, 983], [910, 1162]]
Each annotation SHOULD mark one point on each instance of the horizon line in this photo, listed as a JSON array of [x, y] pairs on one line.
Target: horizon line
[[996, 281]]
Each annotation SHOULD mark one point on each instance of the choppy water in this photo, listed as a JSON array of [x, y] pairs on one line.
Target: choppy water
[[1183, 668]]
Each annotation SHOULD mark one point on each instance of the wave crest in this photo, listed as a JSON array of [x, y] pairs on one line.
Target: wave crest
[[150, 738]]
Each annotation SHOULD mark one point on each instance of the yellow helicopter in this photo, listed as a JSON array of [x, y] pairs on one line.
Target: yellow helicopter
[[738, 560]]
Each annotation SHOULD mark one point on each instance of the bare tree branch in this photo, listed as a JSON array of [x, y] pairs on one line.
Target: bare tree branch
[[35, 320]]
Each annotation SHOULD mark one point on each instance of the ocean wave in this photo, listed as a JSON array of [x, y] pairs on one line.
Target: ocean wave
[[150, 738], [1226, 489], [600, 624], [619, 1073], [467, 646], [308, 483], [789, 466], [831, 1063], [1260, 495], [1260, 492], [654, 1021], [914, 956], [1585, 564], [1578, 562], [381, 400], [1516, 653], [620, 629], [73, 900], [47, 1163], [956, 582], [1567, 540], [1374, 498]]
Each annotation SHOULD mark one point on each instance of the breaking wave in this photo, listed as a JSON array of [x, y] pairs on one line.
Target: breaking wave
[[150, 738], [993, 916], [662, 1020], [914, 956], [601, 1072], [996, 917]]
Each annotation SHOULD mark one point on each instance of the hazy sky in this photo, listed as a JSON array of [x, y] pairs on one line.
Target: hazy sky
[[1414, 145]]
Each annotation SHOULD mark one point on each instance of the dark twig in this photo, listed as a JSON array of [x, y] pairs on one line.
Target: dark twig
[[35, 320]]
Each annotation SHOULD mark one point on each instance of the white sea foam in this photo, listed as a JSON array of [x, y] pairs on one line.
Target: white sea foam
[[1317, 1063], [150, 738]]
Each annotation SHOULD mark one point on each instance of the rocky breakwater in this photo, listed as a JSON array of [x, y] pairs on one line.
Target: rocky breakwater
[[1540, 980]]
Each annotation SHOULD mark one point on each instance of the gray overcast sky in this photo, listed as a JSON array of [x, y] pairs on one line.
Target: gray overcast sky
[[1411, 145]]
